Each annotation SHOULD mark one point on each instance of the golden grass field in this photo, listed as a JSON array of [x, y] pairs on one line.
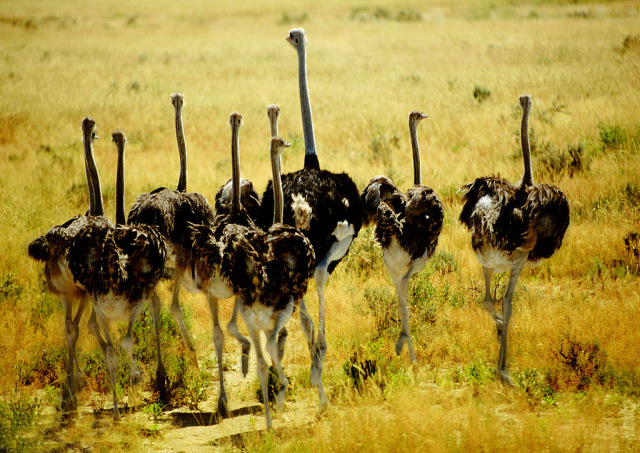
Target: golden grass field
[[575, 336]]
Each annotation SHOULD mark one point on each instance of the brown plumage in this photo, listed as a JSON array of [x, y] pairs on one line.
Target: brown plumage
[[286, 261], [512, 225], [53, 249], [407, 228], [169, 211]]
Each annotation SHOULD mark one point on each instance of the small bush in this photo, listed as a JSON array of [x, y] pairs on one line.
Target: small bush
[[383, 305], [582, 364], [612, 136], [17, 417], [10, 288], [46, 369], [359, 370], [481, 94], [536, 386], [631, 42]]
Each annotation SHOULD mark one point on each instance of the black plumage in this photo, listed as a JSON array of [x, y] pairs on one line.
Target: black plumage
[[325, 206], [512, 225]]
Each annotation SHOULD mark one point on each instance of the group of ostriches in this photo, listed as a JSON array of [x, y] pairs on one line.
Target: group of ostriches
[[263, 250]]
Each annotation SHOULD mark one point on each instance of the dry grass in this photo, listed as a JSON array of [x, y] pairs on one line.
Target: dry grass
[[368, 67]]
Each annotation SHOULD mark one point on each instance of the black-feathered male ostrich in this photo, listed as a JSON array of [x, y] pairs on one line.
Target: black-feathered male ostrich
[[53, 249], [326, 206], [407, 228], [513, 225]]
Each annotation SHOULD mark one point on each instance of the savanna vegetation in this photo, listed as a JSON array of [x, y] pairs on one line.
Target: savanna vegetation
[[575, 341]]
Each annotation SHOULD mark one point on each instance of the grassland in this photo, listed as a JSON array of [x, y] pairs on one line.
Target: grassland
[[575, 342]]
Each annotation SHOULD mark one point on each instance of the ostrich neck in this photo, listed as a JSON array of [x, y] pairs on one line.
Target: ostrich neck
[[527, 179], [235, 169], [120, 217], [278, 196], [90, 185], [96, 207], [182, 149], [416, 154], [273, 121], [310, 154]]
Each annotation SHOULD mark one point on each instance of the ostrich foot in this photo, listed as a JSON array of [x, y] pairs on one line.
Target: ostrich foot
[[280, 398], [505, 378], [245, 359], [223, 411]]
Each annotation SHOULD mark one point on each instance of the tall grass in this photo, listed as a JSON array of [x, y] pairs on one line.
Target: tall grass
[[368, 66]]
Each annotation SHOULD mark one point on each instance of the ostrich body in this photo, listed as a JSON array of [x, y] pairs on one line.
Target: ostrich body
[[288, 260], [170, 211], [513, 225], [53, 250], [407, 228], [325, 206]]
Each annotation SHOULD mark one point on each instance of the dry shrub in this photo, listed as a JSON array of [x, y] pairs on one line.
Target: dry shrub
[[583, 364]]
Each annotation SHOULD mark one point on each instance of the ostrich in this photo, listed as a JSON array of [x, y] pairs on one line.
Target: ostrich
[[119, 267], [210, 257], [53, 250], [325, 206], [169, 211], [287, 258], [512, 225], [407, 228]]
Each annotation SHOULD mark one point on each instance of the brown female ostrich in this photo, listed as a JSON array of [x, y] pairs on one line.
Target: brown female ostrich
[[170, 211], [118, 268], [288, 260], [513, 225], [407, 228], [53, 250]]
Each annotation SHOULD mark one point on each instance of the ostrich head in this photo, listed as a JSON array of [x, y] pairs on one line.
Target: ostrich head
[[297, 38], [177, 99], [119, 138], [89, 129], [415, 117], [278, 145], [235, 119], [525, 102], [273, 112]]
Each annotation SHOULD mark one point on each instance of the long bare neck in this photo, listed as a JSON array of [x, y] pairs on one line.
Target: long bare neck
[[310, 153], [96, 206], [527, 178], [273, 111], [235, 166], [413, 130], [120, 217], [182, 146], [278, 196]]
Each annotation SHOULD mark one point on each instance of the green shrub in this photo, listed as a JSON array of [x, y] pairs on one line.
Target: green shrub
[[18, 416], [481, 93]]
